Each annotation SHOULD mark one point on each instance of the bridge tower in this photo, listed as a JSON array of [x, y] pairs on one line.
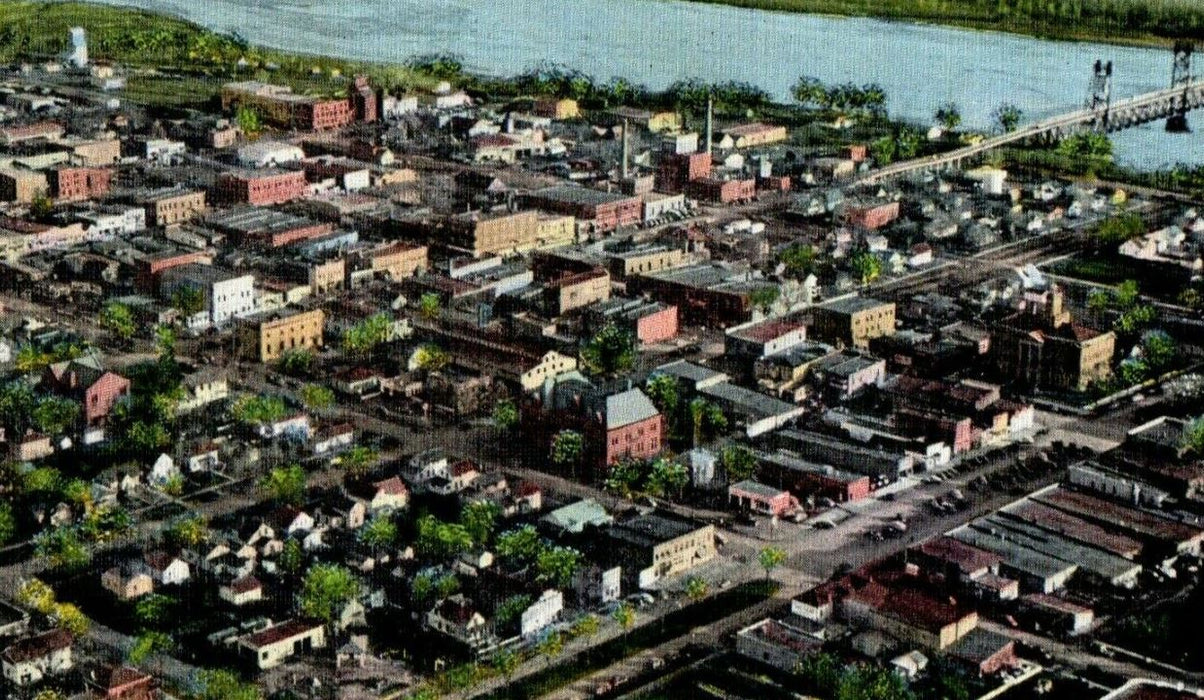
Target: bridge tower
[[1099, 99], [1181, 77]]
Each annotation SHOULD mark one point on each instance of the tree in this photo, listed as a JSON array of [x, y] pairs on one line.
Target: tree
[[586, 626], [884, 150], [550, 646], [148, 643], [479, 519], [1159, 350], [771, 558], [8, 523], [291, 557], [624, 477], [446, 585], [220, 684], [861, 682], [820, 673], [1118, 229], [696, 588], [611, 352], [763, 298], [36, 594], [30, 359], [49, 694], [505, 415], [285, 485], [118, 319], [568, 447], [187, 531], [439, 540], [1088, 144], [738, 462], [430, 306], [809, 92], [509, 610], [378, 533], [17, 405], [359, 459], [295, 362], [799, 260], [1008, 116], [42, 482], [142, 436], [667, 476], [948, 115], [41, 206], [1126, 294], [259, 409], [154, 609], [189, 301], [316, 397], [54, 415], [68, 617], [557, 565], [707, 419], [865, 266], [506, 662], [664, 393], [78, 493], [364, 337], [521, 544], [248, 121], [624, 615], [1192, 441], [325, 590], [431, 358]]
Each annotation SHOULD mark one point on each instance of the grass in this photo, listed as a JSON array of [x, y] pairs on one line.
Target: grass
[[1132, 22]]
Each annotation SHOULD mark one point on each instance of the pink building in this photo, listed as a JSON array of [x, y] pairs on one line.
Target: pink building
[[872, 216], [86, 381], [658, 326], [632, 427], [759, 498]]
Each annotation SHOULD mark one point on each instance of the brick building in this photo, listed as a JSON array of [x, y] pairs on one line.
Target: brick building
[[151, 267], [483, 234], [281, 108], [87, 382], [79, 184], [648, 321], [1042, 348], [676, 170], [717, 191], [628, 426], [854, 321], [171, 206], [576, 290], [266, 338], [261, 187], [603, 211], [398, 261], [871, 216], [759, 498]]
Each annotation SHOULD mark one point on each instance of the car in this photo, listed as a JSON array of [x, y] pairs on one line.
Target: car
[[823, 525]]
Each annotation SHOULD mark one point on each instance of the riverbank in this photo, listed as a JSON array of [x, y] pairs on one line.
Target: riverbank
[[1127, 22]]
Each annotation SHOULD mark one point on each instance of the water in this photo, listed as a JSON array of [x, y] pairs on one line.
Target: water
[[655, 42]]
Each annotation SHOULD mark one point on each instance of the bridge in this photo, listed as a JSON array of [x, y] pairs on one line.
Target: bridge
[[1101, 114]]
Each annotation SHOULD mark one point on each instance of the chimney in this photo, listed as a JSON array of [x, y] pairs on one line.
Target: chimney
[[710, 123], [626, 148]]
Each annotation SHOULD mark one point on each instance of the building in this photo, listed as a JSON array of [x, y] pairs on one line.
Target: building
[[281, 108], [71, 184], [459, 619], [553, 108], [128, 581], [752, 135], [275, 645], [268, 228], [720, 191], [754, 340], [22, 185], [269, 154], [602, 211], [777, 644], [648, 321], [576, 517], [126, 683], [676, 170], [707, 294], [29, 660], [86, 381], [483, 234], [631, 427], [644, 260], [171, 206], [657, 545], [984, 653], [226, 295], [870, 216], [261, 187], [541, 614], [267, 337], [853, 321], [811, 480], [756, 497], [908, 614], [575, 290], [656, 122], [1041, 348]]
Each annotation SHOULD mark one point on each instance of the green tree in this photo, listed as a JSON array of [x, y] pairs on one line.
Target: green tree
[[738, 462], [865, 266], [1008, 116], [147, 644], [948, 115], [664, 393], [285, 485], [325, 589], [431, 358], [1126, 295], [509, 610], [505, 415], [707, 420], [624, 477], [1134, 320], [1192, 441], [884, 150], [1089, 145], [521, 544], [439, 540], [358, 460], [763, 298], [291, 557], [550, 646], [799, 259], [506, 662], [861, 682], [248, 121], [30, 359], [42, 482], [155, 609], [54, 415], [189, 530], [8, 523], [430, 306], [771, 558], [809, 92], [667, 476], [17, 406], [220, 684], [586, 626], [446, 585], [259, 409], [568, 447], [558, 565], [49, 694], [696, 588], [365, 336], [820, 673], [68, 617], [316, 397], [1159, 350], [36, 594], [142, 436], [479, 518], [78, 493], [1118, 229], [189, 301], [295, 362], [118, 319], [378, 533], [41, 206], [421, 588], [624, 615], [610, 352]]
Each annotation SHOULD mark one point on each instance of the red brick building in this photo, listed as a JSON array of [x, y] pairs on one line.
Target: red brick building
[[648, 321], [675, 171], [722, 191], [86, 381], [759, 498], [261, 187], [150, 268], [363, 100], [125, 683], [606, 211], [958, 431], [872, 216], [79, 184], [630, 427]]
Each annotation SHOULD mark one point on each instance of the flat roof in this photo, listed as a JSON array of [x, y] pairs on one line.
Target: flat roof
[[979, 645], [579, 195], [1014, 555], [1120, 516], [767, 330], [1076, 528], [967, 557], [749, 401], [757, 489], [853, 305], [690, 372], [651, 529], [1097, 561]]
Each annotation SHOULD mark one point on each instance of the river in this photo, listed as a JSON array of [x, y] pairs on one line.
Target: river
[[655, 42]]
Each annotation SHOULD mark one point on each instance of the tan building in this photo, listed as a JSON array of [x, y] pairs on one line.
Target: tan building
[[172, 206], [96, 153], [551, 365], [752, 135], [328, 276], [266, 338], [22, 185], [1042, 348], [656, 122], [555, 231], [557, 109], [854, 321], [577, 291], [487, 235], [398, 260], [658, 545], [275, 645], [127, 582], [645, 260]]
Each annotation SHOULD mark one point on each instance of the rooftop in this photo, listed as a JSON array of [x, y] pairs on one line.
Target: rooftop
[[578, 195], [651, 529], [625, 408], [278, 633], [853, 305]]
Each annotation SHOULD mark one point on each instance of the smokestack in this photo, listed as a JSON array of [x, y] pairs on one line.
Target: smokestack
[[626, 147], [710, 123]]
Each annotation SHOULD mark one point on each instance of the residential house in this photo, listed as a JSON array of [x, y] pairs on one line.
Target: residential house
[[203, 388], [330, 439], [125, 683], [29, 660], [385, 495], [241, 591], [458, 618], [128, 581], [541, 614], [275, 645], [86, 381], [167, 569]]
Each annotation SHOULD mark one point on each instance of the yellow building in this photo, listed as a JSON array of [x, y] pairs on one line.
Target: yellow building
[[172, 206], [854, 321], [554, 230], [266, 338], [328, 276], [22, 185], [399, 260], [557, 109], [488, 235]]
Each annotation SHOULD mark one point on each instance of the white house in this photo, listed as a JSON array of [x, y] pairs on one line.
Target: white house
[[329, 440], [201, 389], [294, 427], [162, 471], [6, 351], [274, 645], [387, 495], [457, 618], [203, 458], [241, 591], [167, 569], [29, 660], [290, 521], [265, 154], [542, 613], [226, 295]]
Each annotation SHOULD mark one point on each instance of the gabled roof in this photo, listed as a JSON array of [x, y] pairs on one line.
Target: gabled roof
[[625, 408], [37, 647]]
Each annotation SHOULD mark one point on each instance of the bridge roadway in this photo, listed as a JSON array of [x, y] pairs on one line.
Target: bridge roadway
[[1122, 114]]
